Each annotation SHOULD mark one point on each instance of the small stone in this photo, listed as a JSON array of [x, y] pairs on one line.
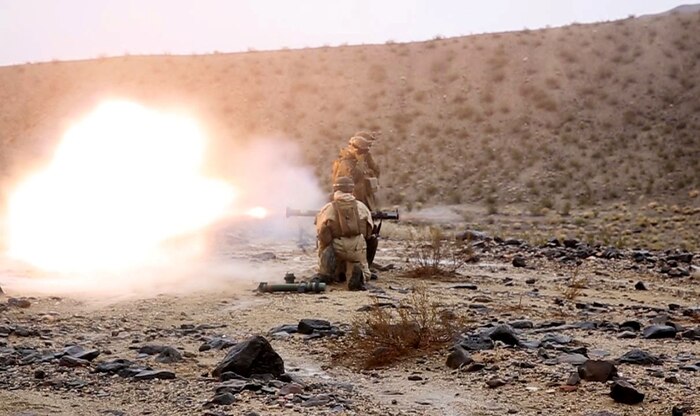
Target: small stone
[[308, 326], [318, 400], [223, 399], [637, 356], [415, 377], [659, 331], [19, 303], [672, 379], [522, 324], [575, 359], [574, 379], [519, 261], [627, 335], [169, 355], [495, 383], [39, 374], [291, 388], [530, 281], [596, 370], [567, 388], [640, 286], [458, 358], [69, 361], [154, 374], [623, 392], [505, 334]]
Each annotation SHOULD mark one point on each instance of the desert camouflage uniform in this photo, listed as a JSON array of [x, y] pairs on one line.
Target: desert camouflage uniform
[[359, 168], [341, 229]]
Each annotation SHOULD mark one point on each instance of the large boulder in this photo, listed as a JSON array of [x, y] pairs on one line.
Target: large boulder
[[253, 356]]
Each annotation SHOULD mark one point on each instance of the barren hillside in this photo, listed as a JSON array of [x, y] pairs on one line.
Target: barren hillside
[[577, 117]]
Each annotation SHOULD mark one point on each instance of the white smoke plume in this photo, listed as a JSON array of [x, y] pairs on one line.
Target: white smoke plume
[[267, 175]]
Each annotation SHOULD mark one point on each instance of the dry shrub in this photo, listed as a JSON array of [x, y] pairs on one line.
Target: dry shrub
[[576, 285], [437, 257], [384, 336]]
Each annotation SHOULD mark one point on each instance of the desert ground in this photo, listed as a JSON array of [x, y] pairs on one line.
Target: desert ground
[[581, 307]]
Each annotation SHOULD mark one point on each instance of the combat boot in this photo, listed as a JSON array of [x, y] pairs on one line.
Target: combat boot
[[356, 281]]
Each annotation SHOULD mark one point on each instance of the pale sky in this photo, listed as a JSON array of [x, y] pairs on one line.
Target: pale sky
[[43, 30]]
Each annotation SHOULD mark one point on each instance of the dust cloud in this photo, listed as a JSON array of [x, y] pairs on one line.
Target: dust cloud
[[267, 175]]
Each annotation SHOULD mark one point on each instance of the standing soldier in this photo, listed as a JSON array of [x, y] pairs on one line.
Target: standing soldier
[[342, 226], [352, 162], [371, 137]]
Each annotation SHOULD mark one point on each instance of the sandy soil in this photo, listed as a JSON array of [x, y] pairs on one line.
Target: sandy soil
[[117, 327]]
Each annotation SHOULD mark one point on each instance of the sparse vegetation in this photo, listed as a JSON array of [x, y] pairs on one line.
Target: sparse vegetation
[[384, 336]]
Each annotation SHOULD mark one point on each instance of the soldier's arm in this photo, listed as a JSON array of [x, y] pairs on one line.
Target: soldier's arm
[[372, 165]]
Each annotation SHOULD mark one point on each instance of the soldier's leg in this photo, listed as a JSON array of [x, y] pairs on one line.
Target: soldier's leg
[[327, 264], [356, 258]]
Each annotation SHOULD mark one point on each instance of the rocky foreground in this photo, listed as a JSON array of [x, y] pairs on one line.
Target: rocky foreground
[[565, 328]]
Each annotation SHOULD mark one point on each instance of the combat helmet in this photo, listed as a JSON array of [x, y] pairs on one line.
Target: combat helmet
[[367, 135], [359, 142], [344, 184]]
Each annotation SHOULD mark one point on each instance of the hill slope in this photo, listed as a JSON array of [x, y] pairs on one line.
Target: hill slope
[[583, 115]]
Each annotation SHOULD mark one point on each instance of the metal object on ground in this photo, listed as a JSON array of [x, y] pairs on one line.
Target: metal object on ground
[[305, 287]]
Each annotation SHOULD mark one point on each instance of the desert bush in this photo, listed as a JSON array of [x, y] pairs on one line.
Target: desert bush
[[384, 336], [435, 257]]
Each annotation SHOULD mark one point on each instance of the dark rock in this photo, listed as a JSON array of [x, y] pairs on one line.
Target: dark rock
[[627, 335], [530, 281], [415, 377], [672, 379], [318, 400], [597, 370], [458, 358], [513, 242], [218, 343], [637, 356], [39, 374], [519, 261], [152, 349], [495, 383], [69, 361], [601, 413], [679, 410], [571, 243], [623, 392], [308, 326], [169, 355], [154, 374], [505, 334], [692, 334], [631, 325], [574, 379], [81, 353], [575, 359], [254, 355], [223, 399], [522, 324], [476, 342], [19, 303], [230, 375], [693, 368], [465, 286], [553, 338], [113, 366], [640, 286], [471, 235], [474, 367], [291, 388], [659, 331]]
